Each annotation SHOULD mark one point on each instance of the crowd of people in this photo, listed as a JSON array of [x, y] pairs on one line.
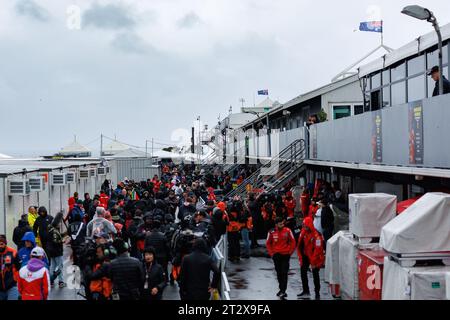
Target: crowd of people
[[134, 239]]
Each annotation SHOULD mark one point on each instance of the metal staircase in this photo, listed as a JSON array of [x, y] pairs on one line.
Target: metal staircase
[[275, 174]]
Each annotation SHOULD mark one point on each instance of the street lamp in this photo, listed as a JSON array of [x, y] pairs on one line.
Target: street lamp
[[421, 13]]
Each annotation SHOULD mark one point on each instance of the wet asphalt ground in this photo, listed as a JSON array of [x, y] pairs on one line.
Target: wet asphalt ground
[[249, 279]]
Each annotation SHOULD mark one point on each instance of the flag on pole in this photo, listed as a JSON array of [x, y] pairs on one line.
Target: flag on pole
[[371, 26], [263, 92]]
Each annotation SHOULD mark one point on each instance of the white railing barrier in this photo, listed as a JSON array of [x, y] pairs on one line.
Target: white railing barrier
[[220, 253]]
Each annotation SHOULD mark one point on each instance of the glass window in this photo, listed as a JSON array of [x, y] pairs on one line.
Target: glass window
[[416, 65], [376, 81], [432, 83], [359, 109], [398, 72], [433, 58], [386, 97], [398, 93], [340, 112], [416, 88], [386, 77]]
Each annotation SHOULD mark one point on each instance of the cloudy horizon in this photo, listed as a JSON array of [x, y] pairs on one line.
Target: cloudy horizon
[[143, 69]]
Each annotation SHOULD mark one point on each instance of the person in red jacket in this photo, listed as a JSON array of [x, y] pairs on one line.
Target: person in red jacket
[[305, 201], [72, 201], [34, 278], [290, 204], [310, 253], [104, 199], [280, 245]]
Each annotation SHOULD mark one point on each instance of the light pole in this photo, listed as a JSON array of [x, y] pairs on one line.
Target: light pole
[[199, 139], [422, 13]]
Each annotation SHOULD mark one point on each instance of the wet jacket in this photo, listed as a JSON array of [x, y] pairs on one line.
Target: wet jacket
[[127, 276], [311, 245], [24, 254], [34, 281], [280, 242], [9, 267], [40, 228]]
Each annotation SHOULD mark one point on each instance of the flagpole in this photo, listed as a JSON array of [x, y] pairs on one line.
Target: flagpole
[[382, 31]]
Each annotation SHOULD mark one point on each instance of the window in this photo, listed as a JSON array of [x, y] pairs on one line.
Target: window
[[386, 97], [398, 93], [432, 83], [433, 58], [386, 77], [375, 100], [416, 65], [398, 73], [358, 109], [376, 81], [416, 88], [340, 112]]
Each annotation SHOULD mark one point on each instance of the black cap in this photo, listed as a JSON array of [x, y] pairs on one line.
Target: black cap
[[278, 220], [433, 70]]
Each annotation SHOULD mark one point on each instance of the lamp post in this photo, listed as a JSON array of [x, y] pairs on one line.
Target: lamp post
[[422, 13]]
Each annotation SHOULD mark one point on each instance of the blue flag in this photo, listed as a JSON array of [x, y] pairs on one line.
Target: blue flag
[[371, 26], [263, 92]]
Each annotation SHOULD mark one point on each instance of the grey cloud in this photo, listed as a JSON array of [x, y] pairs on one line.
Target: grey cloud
[[189, 21], [129, 42], [112, 17], [32, 9]]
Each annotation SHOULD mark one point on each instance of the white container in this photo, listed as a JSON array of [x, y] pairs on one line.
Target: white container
[[369, 213], [418, 283], [422, 228]]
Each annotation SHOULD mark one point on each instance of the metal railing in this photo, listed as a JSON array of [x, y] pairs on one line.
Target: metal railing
[[220, 253], [279, 170]]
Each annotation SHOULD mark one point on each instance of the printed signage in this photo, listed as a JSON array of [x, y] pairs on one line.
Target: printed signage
[[416, 145], [377, 137]]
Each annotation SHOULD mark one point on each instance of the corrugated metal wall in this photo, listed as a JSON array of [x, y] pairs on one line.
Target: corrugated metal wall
[[132, 168]]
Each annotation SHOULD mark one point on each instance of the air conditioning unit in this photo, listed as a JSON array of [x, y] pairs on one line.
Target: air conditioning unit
[[59, 179], [101, 171], [84, 174], [37, 184], [70, 176], [19, 187], [92, 172]]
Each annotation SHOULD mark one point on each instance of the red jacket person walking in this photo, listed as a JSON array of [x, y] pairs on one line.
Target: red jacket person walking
[[310, 253], [280, 245]]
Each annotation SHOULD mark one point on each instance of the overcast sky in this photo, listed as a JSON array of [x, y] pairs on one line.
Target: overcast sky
[[142, 69]]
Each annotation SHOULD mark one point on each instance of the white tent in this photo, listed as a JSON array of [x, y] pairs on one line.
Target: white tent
[[130, 153], [75, 149], [4, 156], [422, 228], [114, 147], [167, 155]]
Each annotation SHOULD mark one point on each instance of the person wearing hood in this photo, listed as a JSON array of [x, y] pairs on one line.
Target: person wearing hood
[[32, 215], [55, 249], [194, 278], [155, 278], [280, 246], [311, 252], [19, 231], [219, 222], [77, 210], [100, 224], [24, 254], [40, 227], [34, 278]]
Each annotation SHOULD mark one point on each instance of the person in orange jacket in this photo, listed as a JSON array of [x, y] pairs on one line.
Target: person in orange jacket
[[9, 267], [281, 245], [311, 252]]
